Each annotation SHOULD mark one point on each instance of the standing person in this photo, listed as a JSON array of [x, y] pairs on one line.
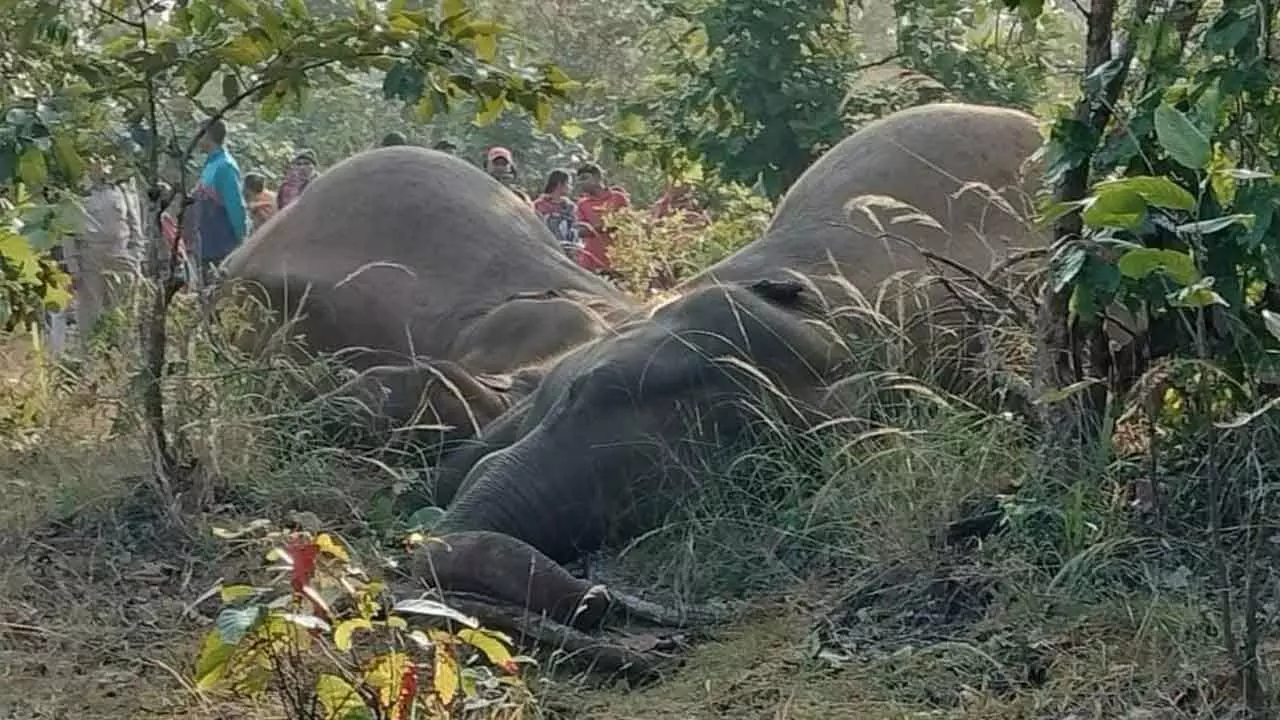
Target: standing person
[[559, 212], [261, 201], [501, 166], [302, 170], [104, 254], [221, 220], [594, 205], [447, 146]]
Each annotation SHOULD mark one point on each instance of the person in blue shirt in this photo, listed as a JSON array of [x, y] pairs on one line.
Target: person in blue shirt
[[219, 202]]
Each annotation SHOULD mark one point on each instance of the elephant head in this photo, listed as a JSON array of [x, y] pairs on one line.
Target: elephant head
[[618, 430]]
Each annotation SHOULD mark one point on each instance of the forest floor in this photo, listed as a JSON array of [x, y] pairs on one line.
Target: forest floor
[[98, 619]]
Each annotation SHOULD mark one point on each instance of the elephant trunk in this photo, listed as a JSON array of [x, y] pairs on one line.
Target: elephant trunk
[[521, 493], [494, 542], [511, 571]]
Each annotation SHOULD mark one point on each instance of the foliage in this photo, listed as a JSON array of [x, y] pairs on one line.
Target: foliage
[[653, 253], [978, 52], [139, 77], [30, 281], [1180, 223], [332, 644], [752, 90]]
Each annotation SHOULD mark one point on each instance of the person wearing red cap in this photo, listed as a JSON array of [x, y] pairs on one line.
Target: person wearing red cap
[[501, 166], [594, 205]]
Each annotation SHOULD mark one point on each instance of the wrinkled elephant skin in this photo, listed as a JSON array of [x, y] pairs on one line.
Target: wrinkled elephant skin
[[424, 272]]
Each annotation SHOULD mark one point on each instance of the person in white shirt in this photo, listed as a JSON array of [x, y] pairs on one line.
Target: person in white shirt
[[106, 255]]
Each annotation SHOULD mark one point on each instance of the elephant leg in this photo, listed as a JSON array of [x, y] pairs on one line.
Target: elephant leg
[[513, 572], [510, 571]]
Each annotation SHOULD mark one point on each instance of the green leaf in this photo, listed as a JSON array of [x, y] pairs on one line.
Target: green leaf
[[64, 150], [1066, 265], [486, 48], [16, 251], [239, 9], [1159, 191], [211, 663], [1209, 227], [452, 9], [572, 130], [425, 518], [233, 623], [631, 124], [1141, 262], [490, 110], [1118, 208], [244, 50], [32, 169], [297, 9], [492, 644], [270, 107], [425, 108], [338, 698], [202, 15], [198, 75], [542, 113], [1201, 294], [1181, 139], [232, 593], [345, 629]]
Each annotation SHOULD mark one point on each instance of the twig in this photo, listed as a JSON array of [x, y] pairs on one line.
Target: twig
[[878, 63]]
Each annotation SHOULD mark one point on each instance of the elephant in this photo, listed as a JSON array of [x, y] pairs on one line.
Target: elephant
[[428, 279], [620, 427], [594, 455]]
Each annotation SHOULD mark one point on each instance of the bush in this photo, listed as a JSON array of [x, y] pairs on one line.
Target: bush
[[332, 644], [653, 254]]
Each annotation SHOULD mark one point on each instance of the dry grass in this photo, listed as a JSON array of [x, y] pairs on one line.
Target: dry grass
[[856, 613]]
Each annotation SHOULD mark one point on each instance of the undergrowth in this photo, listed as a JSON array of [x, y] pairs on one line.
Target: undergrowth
[[1084, 599]]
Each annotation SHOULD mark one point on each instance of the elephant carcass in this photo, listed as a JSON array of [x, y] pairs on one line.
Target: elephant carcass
[[950, 180], [589, 457], [427, 275], [621, 428]]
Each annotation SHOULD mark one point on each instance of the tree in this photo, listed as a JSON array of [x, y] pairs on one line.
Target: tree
[[140, 65], [1164, 200], [750, 89]]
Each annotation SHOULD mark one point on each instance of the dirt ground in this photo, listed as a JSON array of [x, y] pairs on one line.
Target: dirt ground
[[97, 622]]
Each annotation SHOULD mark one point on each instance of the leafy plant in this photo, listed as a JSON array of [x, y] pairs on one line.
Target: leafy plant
[[31, 282], [332, 644], [654, 253]]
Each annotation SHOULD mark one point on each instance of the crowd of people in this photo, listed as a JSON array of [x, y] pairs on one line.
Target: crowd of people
[[226, 205]]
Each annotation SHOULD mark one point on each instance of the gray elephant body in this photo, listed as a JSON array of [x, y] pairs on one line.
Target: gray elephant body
[[595, 454], [426, 275]]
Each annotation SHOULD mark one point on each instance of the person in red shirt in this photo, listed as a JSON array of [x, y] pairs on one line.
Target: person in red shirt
[[594, 205]]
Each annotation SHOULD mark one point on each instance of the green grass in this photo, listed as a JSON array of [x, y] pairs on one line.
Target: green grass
[[854, 612]]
